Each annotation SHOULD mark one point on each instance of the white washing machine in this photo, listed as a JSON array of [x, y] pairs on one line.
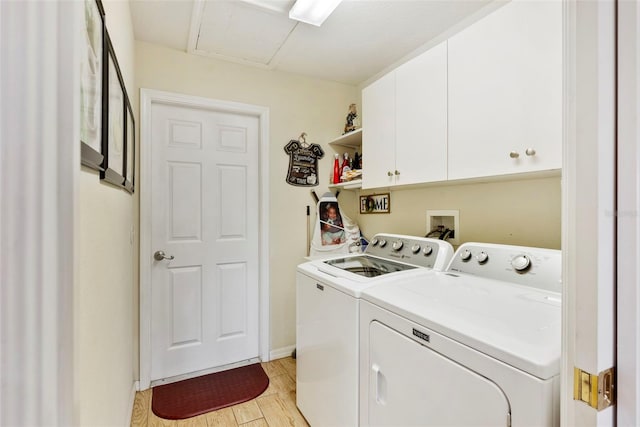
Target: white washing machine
[[476, 345], [327, 319]]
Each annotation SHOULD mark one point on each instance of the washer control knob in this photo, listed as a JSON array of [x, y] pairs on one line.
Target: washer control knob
[[465, 255], [382, 243], [482, 257], [397, 245], [427, 250], [415, 248], [521, 263], [374, 242]]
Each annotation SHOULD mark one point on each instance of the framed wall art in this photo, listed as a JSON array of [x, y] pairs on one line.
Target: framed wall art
[[130, 147], [113, 119], [375, 203], [91, 85]]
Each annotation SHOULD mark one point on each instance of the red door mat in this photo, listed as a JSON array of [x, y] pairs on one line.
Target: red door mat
[[195, 396]]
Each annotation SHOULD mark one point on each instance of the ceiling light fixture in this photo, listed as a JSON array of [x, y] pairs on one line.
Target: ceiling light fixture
[[313, 12]]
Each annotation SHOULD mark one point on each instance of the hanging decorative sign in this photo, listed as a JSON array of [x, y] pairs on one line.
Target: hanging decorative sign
[[375, 203], [303, 162]]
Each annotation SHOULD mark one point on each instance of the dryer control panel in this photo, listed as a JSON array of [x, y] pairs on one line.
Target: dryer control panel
[[536, 267]]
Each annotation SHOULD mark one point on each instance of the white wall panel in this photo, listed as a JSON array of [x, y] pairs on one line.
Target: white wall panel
[[232, 139], [185, 134], [232, 281], [185, 185], [186, 313], [233, 200]]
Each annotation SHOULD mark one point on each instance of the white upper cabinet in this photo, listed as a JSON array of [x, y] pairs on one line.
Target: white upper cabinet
[[421, 118], [505, 92], [379, 132], [405, 123]]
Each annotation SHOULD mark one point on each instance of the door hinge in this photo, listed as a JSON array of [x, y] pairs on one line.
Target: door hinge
[[597, 391]]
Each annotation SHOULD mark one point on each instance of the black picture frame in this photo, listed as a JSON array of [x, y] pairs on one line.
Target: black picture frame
[[91, 85], [130, 150], [113, 118]]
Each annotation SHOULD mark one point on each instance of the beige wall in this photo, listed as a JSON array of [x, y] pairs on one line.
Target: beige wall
[[105, 298], [296, 104], [517, 212]]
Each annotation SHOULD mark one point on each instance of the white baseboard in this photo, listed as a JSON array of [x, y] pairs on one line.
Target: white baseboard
[[132, 397], [279, 353]]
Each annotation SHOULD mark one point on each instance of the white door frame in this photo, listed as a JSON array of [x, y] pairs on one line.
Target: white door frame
[[628, 353], [39, 172], [588, 202], [148, 97]]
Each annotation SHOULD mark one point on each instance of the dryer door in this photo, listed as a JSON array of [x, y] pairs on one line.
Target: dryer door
[[410, 384]]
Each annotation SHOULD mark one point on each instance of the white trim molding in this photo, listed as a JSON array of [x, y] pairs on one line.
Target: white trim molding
[[628, 215], [279, 353], [39, 169], [588, 202], [148, 97]]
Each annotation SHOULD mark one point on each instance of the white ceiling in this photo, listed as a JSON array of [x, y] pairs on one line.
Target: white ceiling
[[360, 39]]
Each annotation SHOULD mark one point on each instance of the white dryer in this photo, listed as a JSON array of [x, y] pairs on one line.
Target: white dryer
[[476, 345], [327, 319]]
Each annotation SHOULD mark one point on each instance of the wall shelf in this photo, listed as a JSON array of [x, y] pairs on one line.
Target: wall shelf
[[352, 139], [349, 185]]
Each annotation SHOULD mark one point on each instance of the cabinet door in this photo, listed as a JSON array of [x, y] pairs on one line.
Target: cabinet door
[[421, 118], [505, 92], [379, 132]]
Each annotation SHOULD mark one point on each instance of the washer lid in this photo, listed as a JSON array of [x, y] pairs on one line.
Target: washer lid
[[519, 325], [348, 281], [368, 266]]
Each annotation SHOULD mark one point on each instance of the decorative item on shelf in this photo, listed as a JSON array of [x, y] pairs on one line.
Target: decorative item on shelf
[[336, 169], [303, 162], [352, 175], [375, 203], [352, 119], [344, 167], [357, 161]]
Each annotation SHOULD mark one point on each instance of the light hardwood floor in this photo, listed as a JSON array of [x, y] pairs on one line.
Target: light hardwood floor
[[276, 407]]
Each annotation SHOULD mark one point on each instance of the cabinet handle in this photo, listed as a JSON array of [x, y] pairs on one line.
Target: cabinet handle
[[514, 154], [530, 152], [397, 172], [389, 173]]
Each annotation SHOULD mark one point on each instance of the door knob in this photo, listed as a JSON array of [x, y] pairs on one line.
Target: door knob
[[160, 255], [514, 154], [530, 152]]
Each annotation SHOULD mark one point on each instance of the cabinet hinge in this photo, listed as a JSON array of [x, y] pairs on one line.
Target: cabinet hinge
[[597, 391]]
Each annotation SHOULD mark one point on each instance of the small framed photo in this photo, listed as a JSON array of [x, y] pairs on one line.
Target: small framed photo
[[113, 119], [91, 79], [375, 204], [130, 151]]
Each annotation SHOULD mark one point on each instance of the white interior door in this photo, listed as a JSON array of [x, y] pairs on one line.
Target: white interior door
[[204, 204]]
